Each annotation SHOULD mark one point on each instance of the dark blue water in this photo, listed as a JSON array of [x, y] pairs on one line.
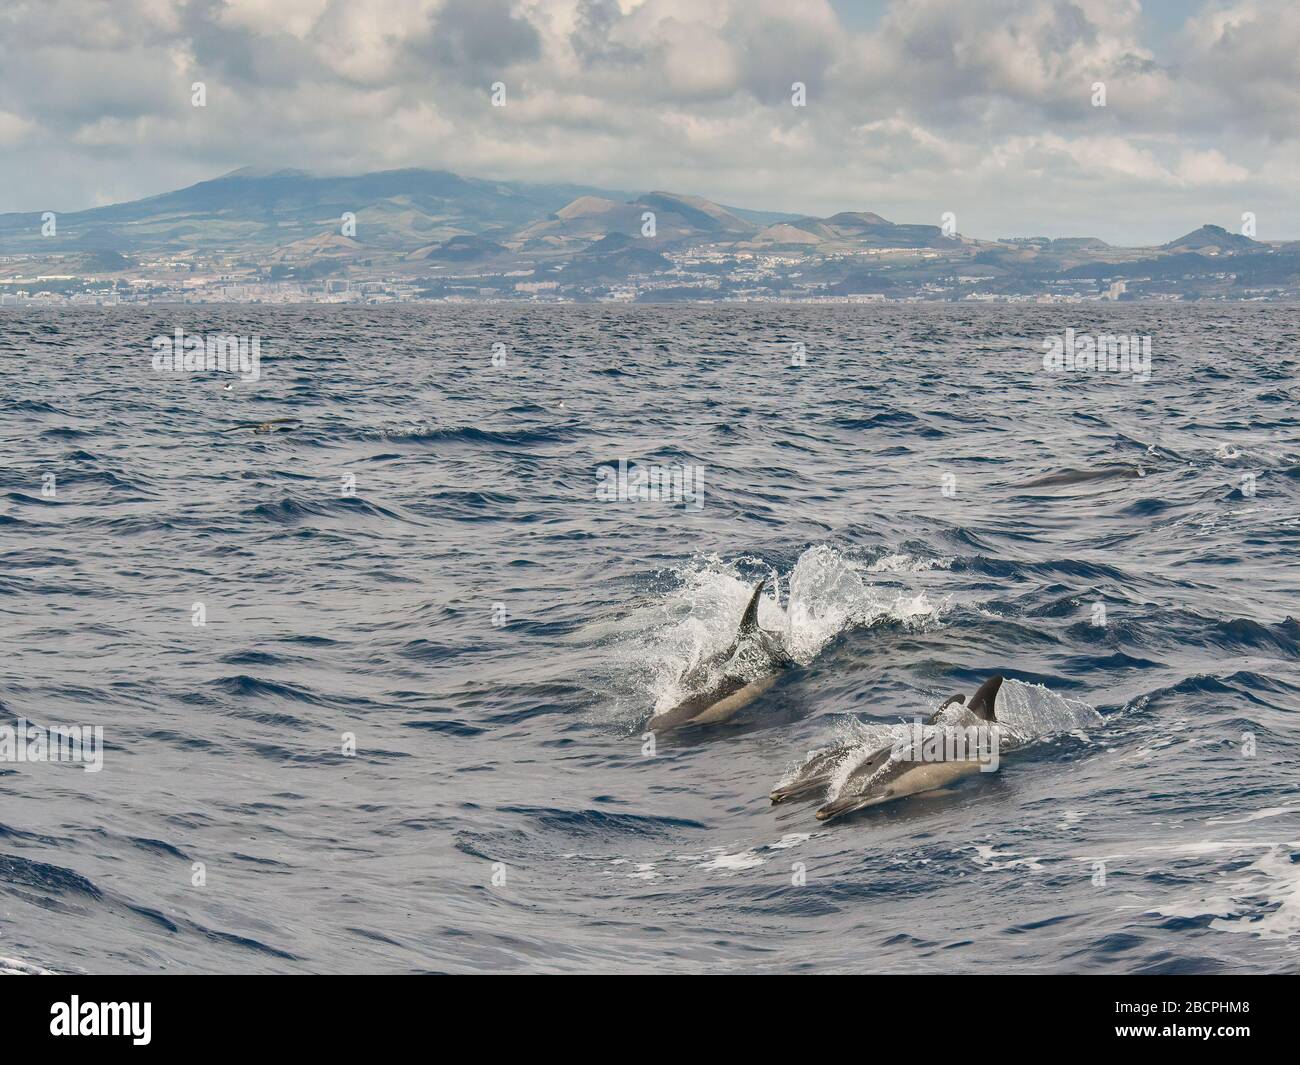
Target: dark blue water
[[880, 485]]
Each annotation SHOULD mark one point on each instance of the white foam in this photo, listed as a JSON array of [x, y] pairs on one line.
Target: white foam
[[1262, 899], [991, 860], [733, 862], [1258, 815], [13, 967]]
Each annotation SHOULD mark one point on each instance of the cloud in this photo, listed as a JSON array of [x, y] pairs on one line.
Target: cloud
[[983, 107], [13, 129], [1242, 66], [475, 41], [1209, 168]]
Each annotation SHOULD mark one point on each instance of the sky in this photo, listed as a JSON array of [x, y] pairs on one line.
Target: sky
[[982, 108]]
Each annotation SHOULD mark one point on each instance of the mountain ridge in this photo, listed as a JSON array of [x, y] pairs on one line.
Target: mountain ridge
[[459, 204], [438, 232]]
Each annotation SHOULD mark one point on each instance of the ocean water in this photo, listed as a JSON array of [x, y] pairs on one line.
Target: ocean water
[[426, 569]]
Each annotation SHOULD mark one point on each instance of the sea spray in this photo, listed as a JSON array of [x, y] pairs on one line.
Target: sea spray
[[826, 593]]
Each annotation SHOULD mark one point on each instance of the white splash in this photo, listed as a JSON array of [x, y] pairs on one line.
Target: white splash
[[905, 563], [1030, 712], [824, 594]]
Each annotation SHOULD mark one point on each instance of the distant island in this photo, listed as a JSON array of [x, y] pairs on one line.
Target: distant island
[[286, 236]]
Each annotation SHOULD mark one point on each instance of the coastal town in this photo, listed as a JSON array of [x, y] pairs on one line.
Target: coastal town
[[692, 277]]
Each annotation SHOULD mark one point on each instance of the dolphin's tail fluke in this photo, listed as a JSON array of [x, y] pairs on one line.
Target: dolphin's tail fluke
[[981, 703]]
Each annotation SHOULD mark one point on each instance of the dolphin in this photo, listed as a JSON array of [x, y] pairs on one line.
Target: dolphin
[[731, 678], [275, 425], [881, 777], [1101, 473], [816, 773]]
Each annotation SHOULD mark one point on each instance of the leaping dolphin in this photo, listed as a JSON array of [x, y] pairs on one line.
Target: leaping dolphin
[[882, 778], [732, 678], [816, 773]]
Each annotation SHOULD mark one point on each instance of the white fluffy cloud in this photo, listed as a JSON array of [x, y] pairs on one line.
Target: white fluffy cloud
[[983, 107]]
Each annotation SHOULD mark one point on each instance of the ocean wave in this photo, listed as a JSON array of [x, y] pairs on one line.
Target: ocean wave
[[492, 637]]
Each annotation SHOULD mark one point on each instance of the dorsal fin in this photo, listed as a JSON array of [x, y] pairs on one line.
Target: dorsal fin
[[981, 703], [937, 716], [749, 620]]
